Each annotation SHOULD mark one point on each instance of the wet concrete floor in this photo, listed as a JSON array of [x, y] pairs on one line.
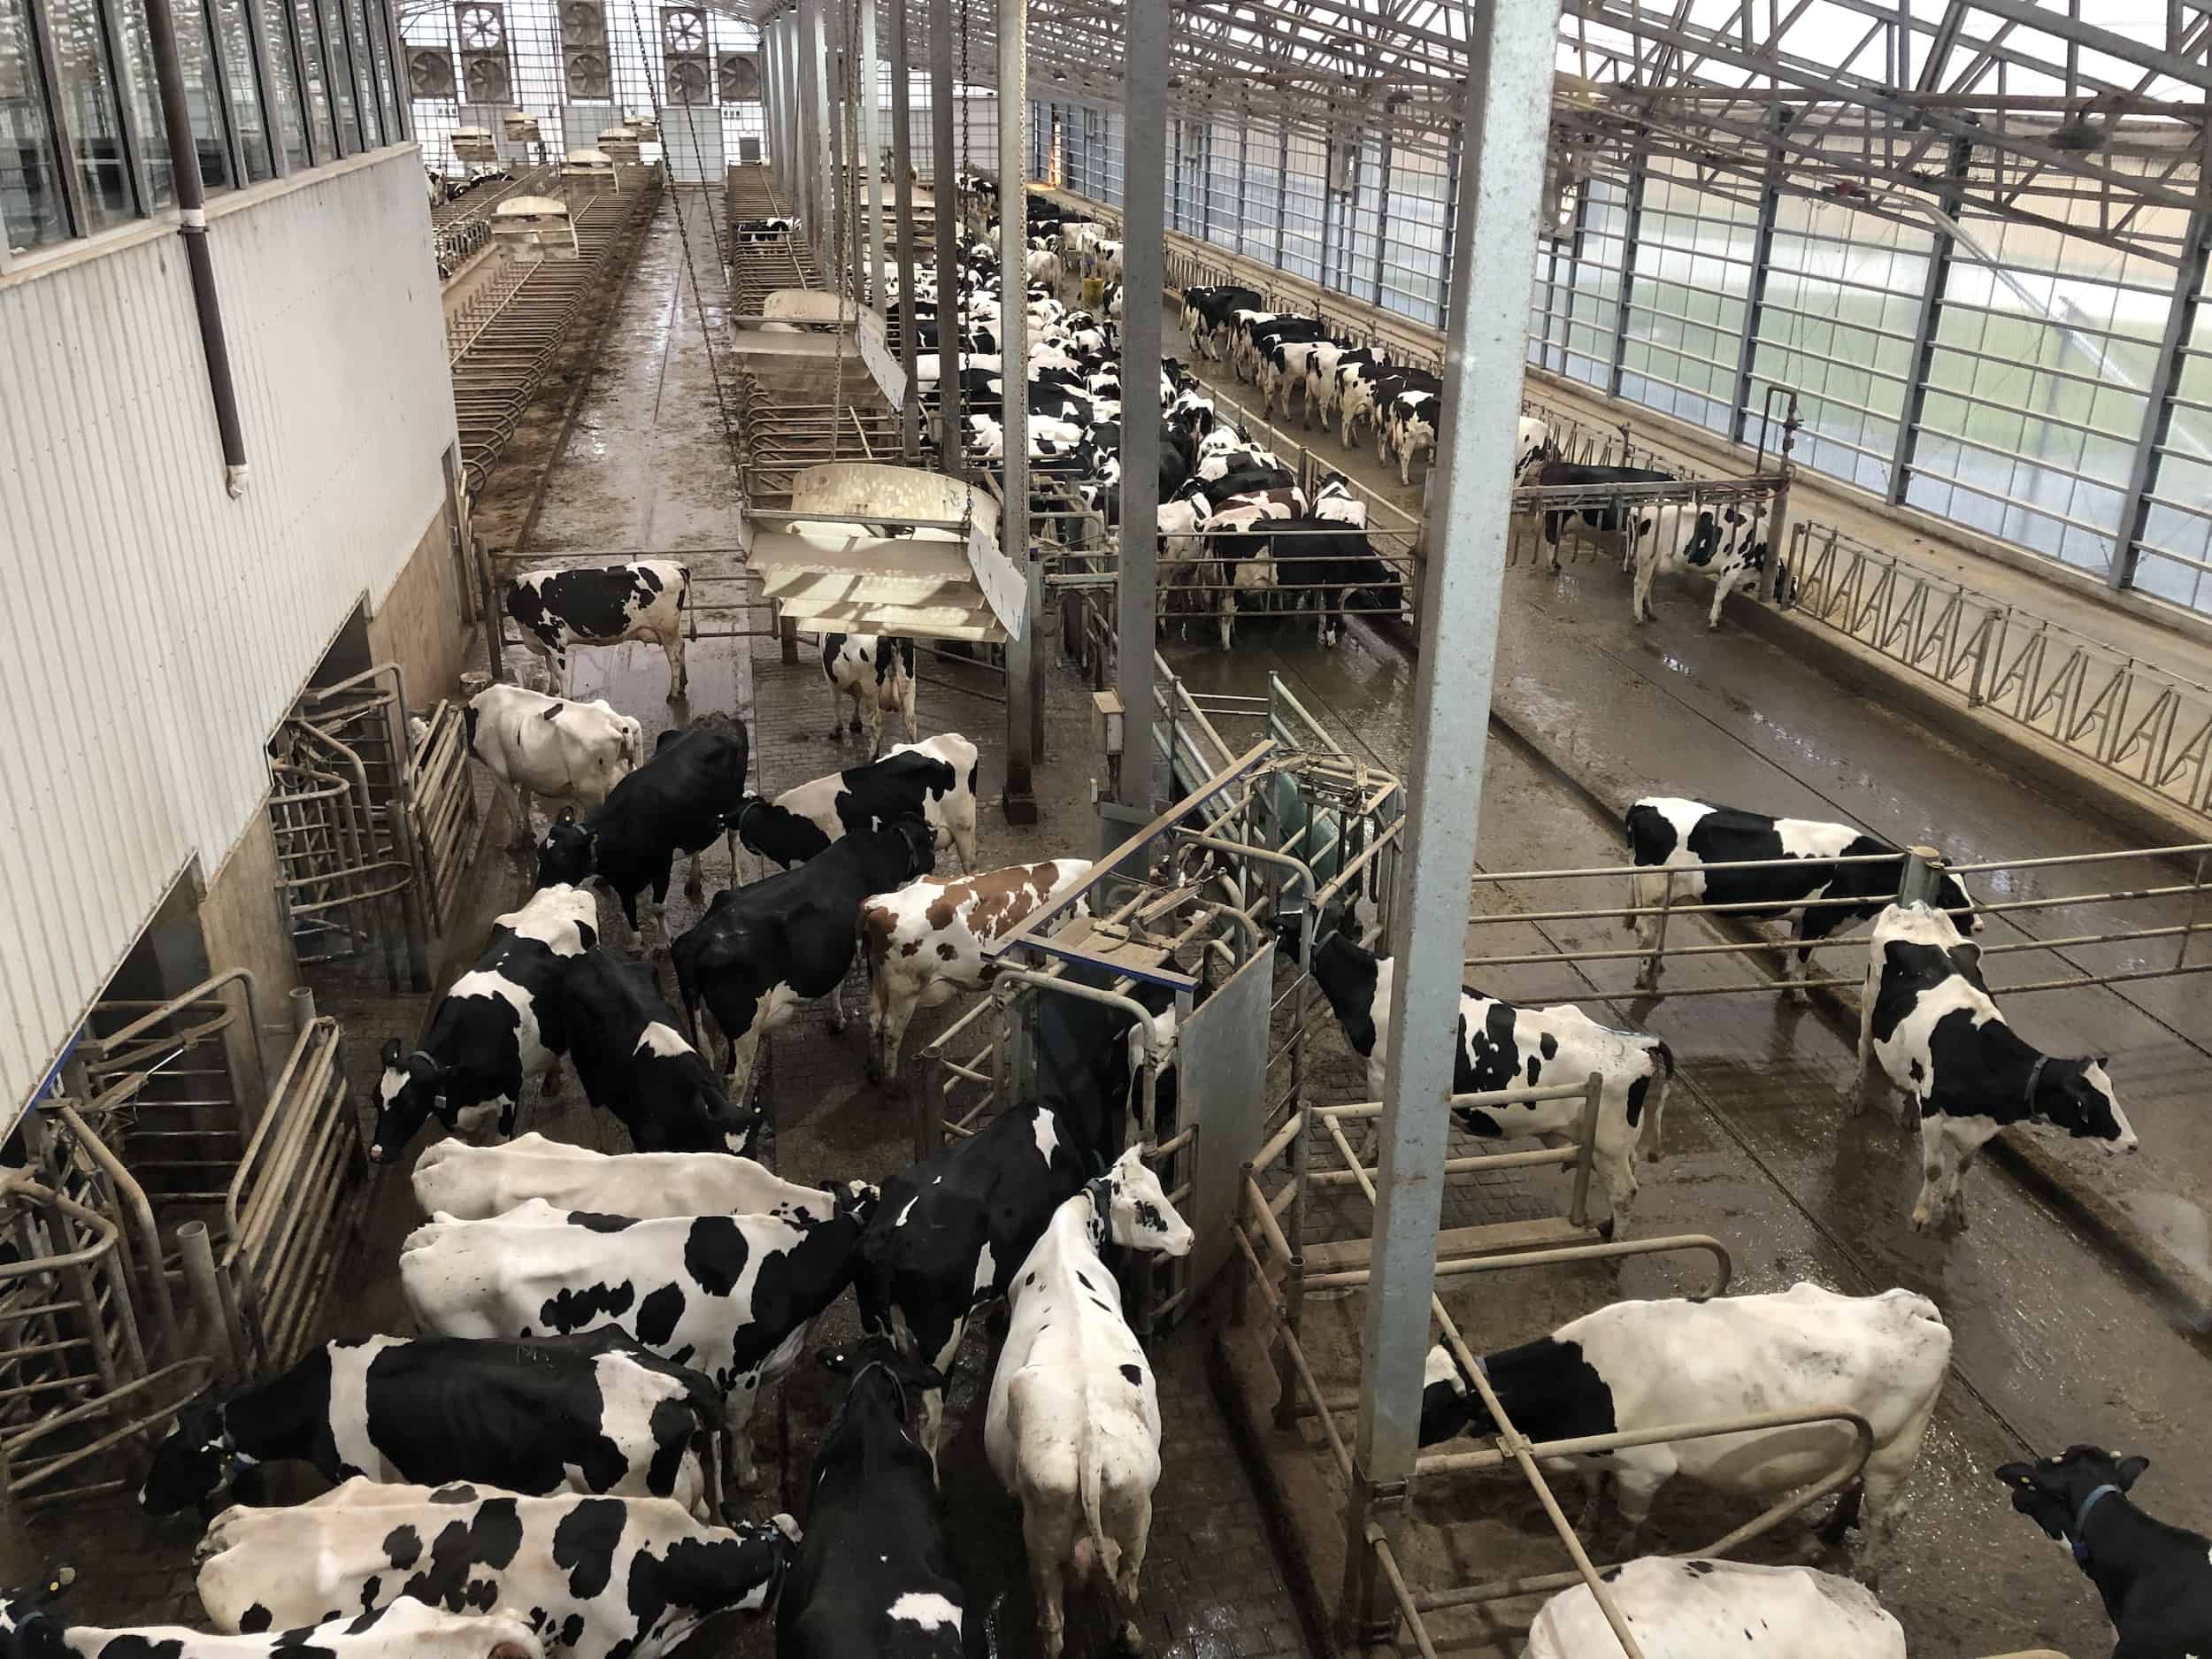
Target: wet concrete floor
[[2055, 1343]]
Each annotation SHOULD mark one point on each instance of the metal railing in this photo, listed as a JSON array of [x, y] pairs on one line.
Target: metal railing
[[2151, 728], [1653, 949]]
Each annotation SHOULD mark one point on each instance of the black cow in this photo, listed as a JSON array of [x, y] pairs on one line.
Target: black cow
[[762, 949], [497, 1028], [875, 1578], [1335, 564], [631, 1053], [679, 800], [804, 820], [1698, 841], [591, 1413], [2155, 1579], [1557, 474]]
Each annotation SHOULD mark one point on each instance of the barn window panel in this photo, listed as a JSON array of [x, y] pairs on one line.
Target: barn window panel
[[202, 98], [235, 45], [1356, 237], [1303, 182], [85, 90], [387, 95], [1595, 300], [339, 76], [307, 41], [1263, 189], [1224, 209], [364, 71], [1686, 307], [1413, 268], [32, 210], [2175, 563]]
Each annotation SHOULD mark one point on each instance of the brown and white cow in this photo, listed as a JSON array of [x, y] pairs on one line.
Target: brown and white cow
[[925, 941]]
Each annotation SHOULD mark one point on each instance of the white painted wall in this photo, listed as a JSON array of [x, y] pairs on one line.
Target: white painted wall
[[154, 630]]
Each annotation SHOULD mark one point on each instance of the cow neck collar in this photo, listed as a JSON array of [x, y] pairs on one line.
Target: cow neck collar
[[2075, 1540], [2027, 1099], [752, 804]]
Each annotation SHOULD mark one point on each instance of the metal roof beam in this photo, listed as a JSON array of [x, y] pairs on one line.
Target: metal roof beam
[[2075, 31]]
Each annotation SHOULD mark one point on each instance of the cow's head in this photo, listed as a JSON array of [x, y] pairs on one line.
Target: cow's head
[[1450, 1406], [2076, 1097], [2054, 1492], [193, 1466], [406, 1095], [1951, 897], [855, 1200], [1129, 1206], [565, 854], [27, 1630]]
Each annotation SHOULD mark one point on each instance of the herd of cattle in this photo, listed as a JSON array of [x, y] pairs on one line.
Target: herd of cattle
[[540, 1469]]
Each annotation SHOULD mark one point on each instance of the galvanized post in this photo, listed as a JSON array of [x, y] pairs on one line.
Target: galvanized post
[[196, 1253], [1382, 216], [1762, 261], [1510, 52], [818, 164], [1585, 1149], [1143, 239], [1924, 332], [944, 190], [1175, 199], [868, 155], [1574, 270], [2158, 413], [1631, 238], [903, 202], [1921, 877], [1328, 200], [1282, 185], [1024, 656]]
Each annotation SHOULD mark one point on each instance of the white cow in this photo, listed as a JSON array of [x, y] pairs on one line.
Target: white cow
[[1636, 1365], [405, 1629], [470, 1183], [925, 941], [550, 747], [1073, 1425], [732, 1296], [876, 673], [602, 1576], [951, 818], [1697, 1610]]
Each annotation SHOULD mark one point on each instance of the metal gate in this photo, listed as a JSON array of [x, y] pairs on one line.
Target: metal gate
[[443, 806], [344, 833]]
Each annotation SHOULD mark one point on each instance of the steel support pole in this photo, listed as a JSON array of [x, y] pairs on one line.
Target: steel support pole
[[838, 265], [1639, 172], [1924, 331], [1143, 239], [944, 190], [1510, 52], [871, 146], [1756, 295], [823, 157], [1328, 197], [1574, 270], [902, 203], [1282, 185], [2158, 415], [1382, 216], [1024, 656], [771, 122]]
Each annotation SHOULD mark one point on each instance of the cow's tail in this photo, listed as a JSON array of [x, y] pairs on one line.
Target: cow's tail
[[1655, 1108], [1089, 1475]]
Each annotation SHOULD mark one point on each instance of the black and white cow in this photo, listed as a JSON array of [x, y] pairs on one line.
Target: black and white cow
[[405, 1629], [1207, 312], [1326, 375], [679, 802], [1338, 567], [533, 744], [634, 1062], [1699, 842], [607, 605], [1698, 1608], [753, 230], [874, 1576], [591, 1413], [1927, 1017], [762, 949], [731, 1295], [1626, 520], [876, 673], [497, 1028], [1073, 1427], [2155, 1578], [1642, 1364], [952, 1231], [468, 1183], [602, 1577], [932, 780], [1502, 1045], [1724, 545]]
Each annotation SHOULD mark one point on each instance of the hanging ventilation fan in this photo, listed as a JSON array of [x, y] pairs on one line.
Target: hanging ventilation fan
[[485, 79], [582, 23], [482, 27], [686, 30], [430, 72], [586, 75], [686, 82]]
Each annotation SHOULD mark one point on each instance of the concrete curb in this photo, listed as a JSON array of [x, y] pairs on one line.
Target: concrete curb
[[2101, 1220]]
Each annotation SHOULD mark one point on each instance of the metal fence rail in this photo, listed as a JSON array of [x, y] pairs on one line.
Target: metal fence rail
[[2151, 728]]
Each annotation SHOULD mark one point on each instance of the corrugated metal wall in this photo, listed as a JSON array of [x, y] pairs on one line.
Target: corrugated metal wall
[[153, 629]]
